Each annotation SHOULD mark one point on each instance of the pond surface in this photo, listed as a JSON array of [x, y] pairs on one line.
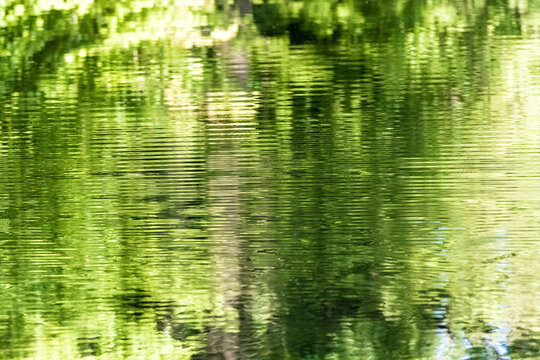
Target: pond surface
[[277, 180]]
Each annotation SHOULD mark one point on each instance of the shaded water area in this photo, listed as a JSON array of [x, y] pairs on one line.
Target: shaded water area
[[269, 180]]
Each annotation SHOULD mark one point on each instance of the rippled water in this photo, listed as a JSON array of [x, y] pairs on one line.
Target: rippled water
[[312, 180]]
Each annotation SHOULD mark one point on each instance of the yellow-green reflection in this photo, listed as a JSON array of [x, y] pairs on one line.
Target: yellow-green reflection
[[314, 179]]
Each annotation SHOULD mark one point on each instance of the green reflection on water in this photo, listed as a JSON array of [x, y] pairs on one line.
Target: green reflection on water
[[315, 179]]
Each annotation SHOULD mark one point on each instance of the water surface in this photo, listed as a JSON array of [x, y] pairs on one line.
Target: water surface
[[277, 180]]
